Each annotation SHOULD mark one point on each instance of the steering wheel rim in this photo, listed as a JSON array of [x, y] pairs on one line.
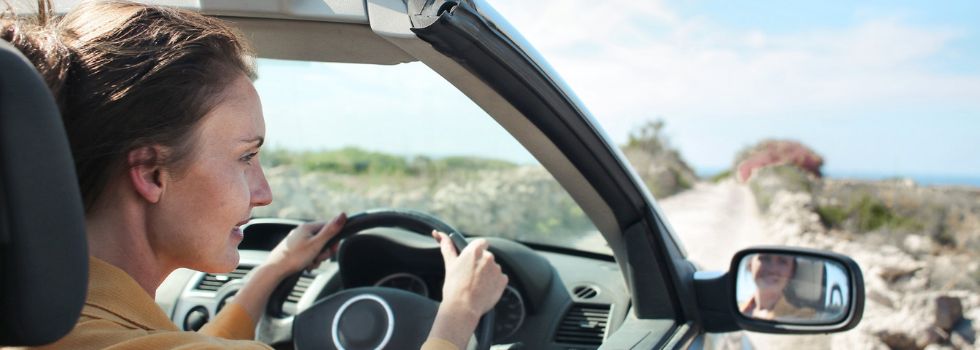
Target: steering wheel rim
[[409, 220]]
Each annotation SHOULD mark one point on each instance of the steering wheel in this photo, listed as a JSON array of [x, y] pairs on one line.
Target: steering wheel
[[371, 317]]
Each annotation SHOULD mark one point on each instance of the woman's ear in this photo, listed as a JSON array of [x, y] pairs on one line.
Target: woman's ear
[[145, 172]]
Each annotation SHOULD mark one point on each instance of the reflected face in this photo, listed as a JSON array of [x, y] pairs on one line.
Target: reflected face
[[772, 271], [197, 222]]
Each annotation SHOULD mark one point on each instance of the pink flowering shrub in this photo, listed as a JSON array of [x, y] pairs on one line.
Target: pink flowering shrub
[[777, 152]]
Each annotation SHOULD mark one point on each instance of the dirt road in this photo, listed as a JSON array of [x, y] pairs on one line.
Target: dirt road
[[713, 221]]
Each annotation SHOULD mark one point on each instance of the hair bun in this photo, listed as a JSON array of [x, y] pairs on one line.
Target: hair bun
[[43, 47]]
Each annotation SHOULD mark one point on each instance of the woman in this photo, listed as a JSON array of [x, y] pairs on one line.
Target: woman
[[165, 128], [772, 273]]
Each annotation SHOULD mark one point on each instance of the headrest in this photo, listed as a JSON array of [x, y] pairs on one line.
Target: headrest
[[808, 281], [43, 252]]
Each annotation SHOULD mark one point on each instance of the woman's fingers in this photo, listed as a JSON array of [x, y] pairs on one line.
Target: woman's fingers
[[326, 254], [473, 278], [332, 228], [477, 247], [304, 246], [321, 236], [449, 254], [490, 269]]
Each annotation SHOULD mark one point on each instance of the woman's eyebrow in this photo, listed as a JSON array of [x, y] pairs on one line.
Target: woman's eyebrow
[[259, 139]]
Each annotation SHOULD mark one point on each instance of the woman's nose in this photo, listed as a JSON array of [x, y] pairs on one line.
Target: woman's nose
[[261, 193]]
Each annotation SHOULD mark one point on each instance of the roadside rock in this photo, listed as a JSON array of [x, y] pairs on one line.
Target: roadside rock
[[949, 311], [919, 295], [897, 341], [791, 215], [894, 266], [921, 323], [918, 244], [964, 335]]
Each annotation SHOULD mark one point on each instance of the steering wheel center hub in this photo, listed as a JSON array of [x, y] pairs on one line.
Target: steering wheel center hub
[[363, 322]]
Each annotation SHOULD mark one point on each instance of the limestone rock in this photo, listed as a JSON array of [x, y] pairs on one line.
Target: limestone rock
[[948, 312], [918, 244]]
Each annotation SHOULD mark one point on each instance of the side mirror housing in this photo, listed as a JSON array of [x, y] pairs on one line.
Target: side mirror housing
[[782, 290]]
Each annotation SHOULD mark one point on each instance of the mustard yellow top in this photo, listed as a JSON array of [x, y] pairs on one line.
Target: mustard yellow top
[[783, 310], [118, 315]]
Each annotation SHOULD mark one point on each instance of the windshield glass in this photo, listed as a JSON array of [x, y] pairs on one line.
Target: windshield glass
[[349, 137]]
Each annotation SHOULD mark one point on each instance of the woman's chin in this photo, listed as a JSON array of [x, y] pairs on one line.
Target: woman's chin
[[231, 262], [771, 285], [226, 264]]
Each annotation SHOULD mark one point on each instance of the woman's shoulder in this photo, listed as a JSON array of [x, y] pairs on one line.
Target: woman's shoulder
[[785, 309], [95, 332]]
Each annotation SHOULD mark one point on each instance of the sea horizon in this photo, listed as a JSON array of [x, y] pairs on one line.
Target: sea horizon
[[920, 179]]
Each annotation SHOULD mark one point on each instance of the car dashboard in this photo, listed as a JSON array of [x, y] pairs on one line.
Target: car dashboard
[[555, 299]]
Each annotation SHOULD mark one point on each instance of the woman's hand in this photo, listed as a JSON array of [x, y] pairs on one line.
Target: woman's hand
[[300, 249], [303, 247], [473, 285]]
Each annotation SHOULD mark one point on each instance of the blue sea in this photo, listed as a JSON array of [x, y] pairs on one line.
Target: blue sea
[[923, 180]]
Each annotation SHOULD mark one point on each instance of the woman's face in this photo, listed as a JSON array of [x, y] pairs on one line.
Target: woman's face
[[196, 223], [771, 271]]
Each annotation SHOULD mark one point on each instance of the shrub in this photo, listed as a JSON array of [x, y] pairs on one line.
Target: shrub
[[356, 161], [478, 196], [768, 181], [865, 213], [719, 177], [658, 164], [832, 216], [777, 152]]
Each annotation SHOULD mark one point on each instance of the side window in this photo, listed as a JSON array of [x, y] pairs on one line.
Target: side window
[[345, 137]]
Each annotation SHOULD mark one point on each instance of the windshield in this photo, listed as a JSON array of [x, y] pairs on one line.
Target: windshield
[[350, 137]]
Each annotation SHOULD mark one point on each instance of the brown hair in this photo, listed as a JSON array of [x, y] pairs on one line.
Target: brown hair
[[128, 75]]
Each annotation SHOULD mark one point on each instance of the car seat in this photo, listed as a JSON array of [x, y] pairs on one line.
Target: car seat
[[808, 286], [43, 249]]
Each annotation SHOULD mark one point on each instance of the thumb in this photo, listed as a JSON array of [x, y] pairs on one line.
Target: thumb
[[449, 253]]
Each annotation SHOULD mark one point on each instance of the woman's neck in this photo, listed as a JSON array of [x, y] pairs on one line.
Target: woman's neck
[[118, 236], [767, 300]]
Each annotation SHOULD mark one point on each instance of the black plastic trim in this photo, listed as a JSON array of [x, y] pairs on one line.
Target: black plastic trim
[[715, 296], [567, 251], [484, 49]]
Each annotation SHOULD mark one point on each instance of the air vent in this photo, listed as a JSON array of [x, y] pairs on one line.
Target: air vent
[[212, 282], [302, 284], [585, 292], [583, 324]]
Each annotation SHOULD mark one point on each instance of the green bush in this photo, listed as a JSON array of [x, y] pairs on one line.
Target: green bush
[[356, 161], [768, 181], [864, 214], [719, 177], [870, 214], [659, 165], [832, 215]]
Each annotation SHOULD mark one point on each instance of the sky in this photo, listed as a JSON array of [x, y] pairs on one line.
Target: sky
[[878, 88]]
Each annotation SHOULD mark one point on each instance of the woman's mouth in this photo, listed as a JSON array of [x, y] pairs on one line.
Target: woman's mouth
[[237, 233]]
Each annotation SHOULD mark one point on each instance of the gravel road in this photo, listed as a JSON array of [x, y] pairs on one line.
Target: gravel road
[[713, 221]]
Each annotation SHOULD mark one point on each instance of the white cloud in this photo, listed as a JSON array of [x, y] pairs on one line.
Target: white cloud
[[634, 60]]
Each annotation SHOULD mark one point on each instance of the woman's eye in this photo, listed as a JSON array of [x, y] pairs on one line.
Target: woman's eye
[[248, 157]]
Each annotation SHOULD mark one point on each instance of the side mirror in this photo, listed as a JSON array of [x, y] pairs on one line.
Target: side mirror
[[783, 290]]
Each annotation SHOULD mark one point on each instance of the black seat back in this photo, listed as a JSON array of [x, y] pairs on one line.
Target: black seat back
[[43, 250]]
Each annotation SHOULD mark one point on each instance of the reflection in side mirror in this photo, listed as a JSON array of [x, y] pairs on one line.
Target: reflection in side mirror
[[792, 288]]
